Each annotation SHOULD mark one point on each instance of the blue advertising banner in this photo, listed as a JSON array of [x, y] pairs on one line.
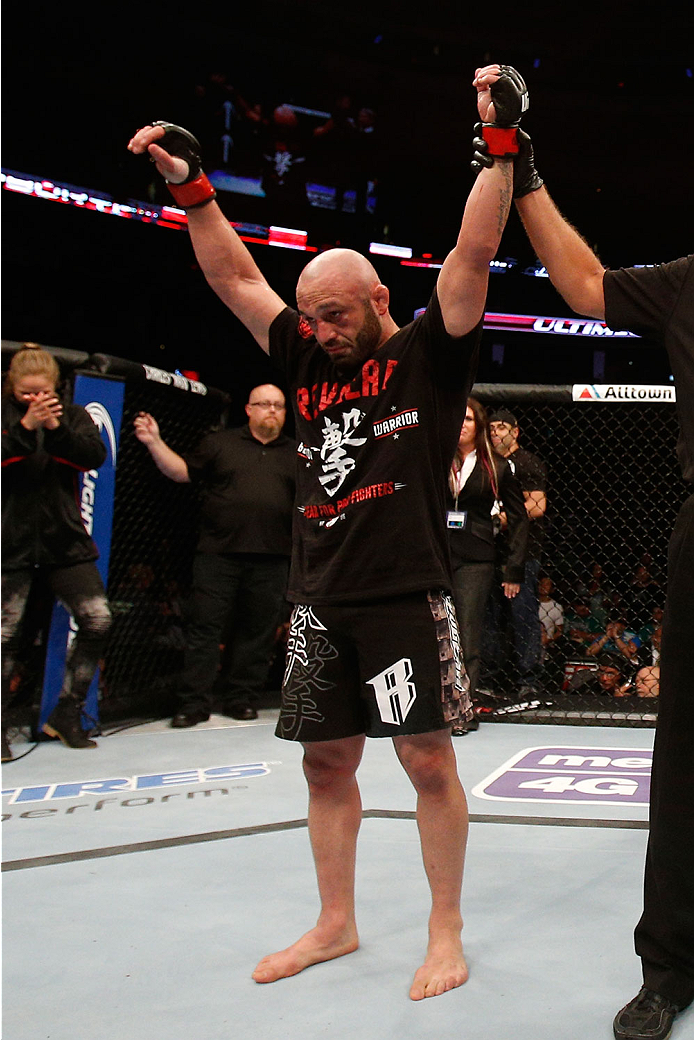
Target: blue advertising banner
[[103, 399]]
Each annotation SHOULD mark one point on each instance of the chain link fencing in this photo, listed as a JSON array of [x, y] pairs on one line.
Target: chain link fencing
[[597, 587], [586, 650], [155, 529], [154, 532]]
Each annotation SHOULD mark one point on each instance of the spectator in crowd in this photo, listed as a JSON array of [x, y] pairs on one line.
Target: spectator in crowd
[[551, 613], [45, 444], [644, 594], [373, 621], [242, 557], [336, 150], [216, 108], [613, 605], [656, 621], [653, 567], [655, 301], [479, 478], [283, 177], [367, 154], [554, 646], [608, 680], [616, 638], [249, 136], [580, 626], [531, 474], [649, 649], [647, 681], [599, 592]]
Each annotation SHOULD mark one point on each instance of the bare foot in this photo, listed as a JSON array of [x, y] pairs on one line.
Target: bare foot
[[311, 948], [444, 969]]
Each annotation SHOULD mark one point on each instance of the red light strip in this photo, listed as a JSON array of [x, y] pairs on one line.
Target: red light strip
[[163, 216]]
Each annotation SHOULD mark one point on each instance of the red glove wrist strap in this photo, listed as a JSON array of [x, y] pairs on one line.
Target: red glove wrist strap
[[193, 193], [502, 141]]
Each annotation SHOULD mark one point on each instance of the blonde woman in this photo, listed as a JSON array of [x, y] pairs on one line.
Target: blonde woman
[[45, 444]]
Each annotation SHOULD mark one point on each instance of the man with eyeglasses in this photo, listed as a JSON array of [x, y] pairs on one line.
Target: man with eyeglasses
[[241, 561]]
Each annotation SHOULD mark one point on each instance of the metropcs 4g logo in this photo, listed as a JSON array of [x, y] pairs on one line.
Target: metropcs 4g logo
[[587, 775]]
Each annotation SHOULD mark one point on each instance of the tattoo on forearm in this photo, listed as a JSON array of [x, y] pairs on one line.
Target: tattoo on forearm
[[505, 195]]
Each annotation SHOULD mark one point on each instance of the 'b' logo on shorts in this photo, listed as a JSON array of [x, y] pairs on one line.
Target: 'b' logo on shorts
[[395, 695]]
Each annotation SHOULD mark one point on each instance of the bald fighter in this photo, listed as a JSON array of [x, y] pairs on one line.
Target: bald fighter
[[241, 561], [373, 645]]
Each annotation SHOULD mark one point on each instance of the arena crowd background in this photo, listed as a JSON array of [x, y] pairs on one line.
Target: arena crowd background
[[612, 97]]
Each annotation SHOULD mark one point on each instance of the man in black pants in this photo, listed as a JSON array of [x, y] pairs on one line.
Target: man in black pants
[[658, 302], [242, 557], [531, 474]]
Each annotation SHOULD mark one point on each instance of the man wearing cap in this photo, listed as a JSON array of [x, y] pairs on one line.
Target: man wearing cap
[[531, 474]]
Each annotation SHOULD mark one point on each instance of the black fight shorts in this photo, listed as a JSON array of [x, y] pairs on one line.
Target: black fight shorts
[[386, 668]]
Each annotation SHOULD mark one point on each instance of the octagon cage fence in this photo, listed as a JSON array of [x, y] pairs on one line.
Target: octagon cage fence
[[613, 492]]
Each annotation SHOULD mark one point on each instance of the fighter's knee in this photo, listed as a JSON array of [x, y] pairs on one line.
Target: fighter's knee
[[429, 769], [325, 768]]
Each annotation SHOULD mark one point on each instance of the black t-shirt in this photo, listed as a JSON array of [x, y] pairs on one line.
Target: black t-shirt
[[374, 454], [659, 302], [531, 474], [248, 492]]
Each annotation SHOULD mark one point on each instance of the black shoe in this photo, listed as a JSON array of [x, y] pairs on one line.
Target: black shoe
[[489, 693], [189, 717], [6, 749], [528, 690], [460, 729], [242, 712], [65, 723], [647, 1017]]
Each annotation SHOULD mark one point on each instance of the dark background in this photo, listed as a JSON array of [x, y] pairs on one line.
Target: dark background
[[611, 117]]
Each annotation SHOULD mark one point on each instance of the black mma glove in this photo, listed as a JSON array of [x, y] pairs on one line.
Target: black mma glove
[[526, 179], [510, 97], [196, 189], [480, 157]]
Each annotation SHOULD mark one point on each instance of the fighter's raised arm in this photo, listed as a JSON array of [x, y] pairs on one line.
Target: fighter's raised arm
[[226, 263], [462, 284], [573, 268]]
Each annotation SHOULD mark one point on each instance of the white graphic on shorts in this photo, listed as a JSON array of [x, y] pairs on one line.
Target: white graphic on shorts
[[337, 464], [395, 695], [458, 660], [308, 650], [303, 621]]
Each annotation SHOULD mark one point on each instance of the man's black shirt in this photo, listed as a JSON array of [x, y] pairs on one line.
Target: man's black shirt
[[248, 492]]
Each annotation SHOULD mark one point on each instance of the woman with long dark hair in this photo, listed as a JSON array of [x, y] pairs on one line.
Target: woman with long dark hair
[[45, 443], [480, 482]]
